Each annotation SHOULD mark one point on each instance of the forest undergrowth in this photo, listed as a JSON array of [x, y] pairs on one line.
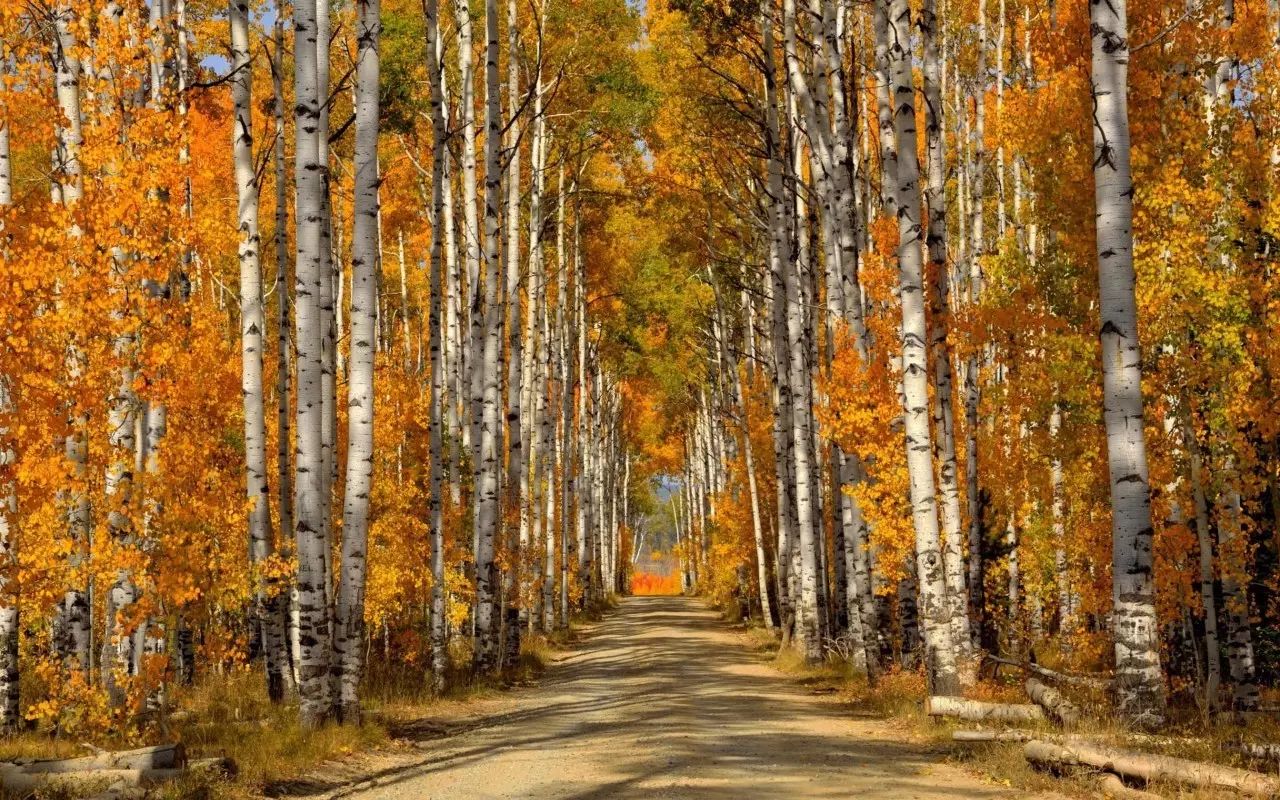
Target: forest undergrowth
[[898, 698]]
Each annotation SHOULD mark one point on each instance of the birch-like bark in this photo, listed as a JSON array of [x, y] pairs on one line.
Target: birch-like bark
[[940, 657], [517, 447], [939, 284], [75, 628], [349, 633], [473, 369], [972, 387], [1233, 561], [283, 602], [10, 718], [1204, 539], [435, 505], [1066, 597], [757, 524], [310, 503], [489, 464], [1139, 683], [252, 329], [583, 483], [884, 110], [330, 288], [808, 620]]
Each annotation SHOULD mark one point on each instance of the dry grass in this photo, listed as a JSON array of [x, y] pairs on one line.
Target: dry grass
[[230, 716], [899, 696]]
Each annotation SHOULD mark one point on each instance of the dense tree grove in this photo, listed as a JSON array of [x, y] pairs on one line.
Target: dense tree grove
[[932, 328]]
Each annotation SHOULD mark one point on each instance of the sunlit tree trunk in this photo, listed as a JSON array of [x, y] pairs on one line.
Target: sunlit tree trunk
[[940, 657], [566, 371], [10, 718], [489, 465], [808, 621], [1062, 573], [585, 488], [472, 245], [435, 504], [757, 524], [516, 421], [330, 306], [252, 330], [972, 386], [1139, 683], [282, 603], [348, 640], [74, 624], [939, 288], [1234, 566], [311, 505]]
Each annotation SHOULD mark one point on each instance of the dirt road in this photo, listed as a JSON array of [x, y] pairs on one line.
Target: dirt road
[[662, 701]]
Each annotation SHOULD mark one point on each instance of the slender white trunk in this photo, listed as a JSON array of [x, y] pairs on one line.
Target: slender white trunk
[[310, 503], [349, 633], [435, 510], [489, 465], [939, 284], [281, 602], [76, 630], [1066, 596], [330, 287], [1234, 565], [252, 329], [808, 632], [1139, 682], [517, 445], [972, 386], [940, 657], [10, 718]]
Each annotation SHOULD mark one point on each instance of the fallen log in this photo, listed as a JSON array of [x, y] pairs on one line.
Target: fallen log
[[1111, 786], [1149, 767], [979, 711], [1085, 681], [164, 756], [1256, 751], [993, 736], [20, 782], [1052, 701]]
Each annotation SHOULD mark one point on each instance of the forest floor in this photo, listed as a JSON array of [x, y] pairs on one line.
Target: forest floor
[[660, 699]]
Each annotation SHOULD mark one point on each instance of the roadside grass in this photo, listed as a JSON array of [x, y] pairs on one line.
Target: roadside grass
[[898, 698], [229, 715]]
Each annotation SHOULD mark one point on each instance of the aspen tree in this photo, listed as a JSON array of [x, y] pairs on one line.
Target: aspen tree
[[10, 718], [252, 330], [311, 506], [349, 630], [940, 657], [489, 465], [285, 606], [939, 289], [1139, 682], [435, 509]]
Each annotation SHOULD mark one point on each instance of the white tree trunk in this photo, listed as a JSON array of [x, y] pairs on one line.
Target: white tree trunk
[[349, 634], [939, 284], [940, 656], [283, 601], [437, 400], [9, 618], [252, 329], [489, 465], [310, 502], [1139, 681]]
